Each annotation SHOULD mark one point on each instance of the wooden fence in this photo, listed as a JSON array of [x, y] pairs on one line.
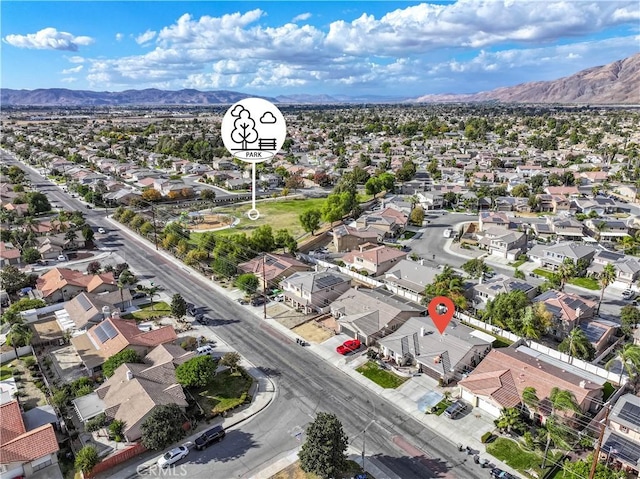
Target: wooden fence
[[117, 458]]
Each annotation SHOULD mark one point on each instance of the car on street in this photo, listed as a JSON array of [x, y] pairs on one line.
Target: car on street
[[455, 409], [209, 437], [498, 473], [102, 231], [173, 456], [62, 258], [349, 346]]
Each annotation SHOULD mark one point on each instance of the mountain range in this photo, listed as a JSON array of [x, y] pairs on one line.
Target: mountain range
[[616, 83]]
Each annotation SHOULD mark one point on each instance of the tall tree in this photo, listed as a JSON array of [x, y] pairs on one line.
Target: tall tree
[[577, 345], [324, 451], [310, 220], [629, 359], [125, 279], [450, 284], [163, 426], [19, 335], [530, 399], [605, 278], [509, 420], [196, 372], [475, 267], [565, 272], [629, 319], [178, 306]]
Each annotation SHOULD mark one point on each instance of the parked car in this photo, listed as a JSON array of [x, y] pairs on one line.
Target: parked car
[[455, 409], [628, 294], [279, 298], [349, 346], [138, 295], [173, 456], [205, 350], [498, 473], [62, 258], [102, 231], [258, 301], [207, 438], [242, 301]]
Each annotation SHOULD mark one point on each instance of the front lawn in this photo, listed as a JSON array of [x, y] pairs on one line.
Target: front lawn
[[381, 377], [439, 408], [226, 391], [145, 312], [544, 273], [517, 264], [509, 452], [5, 372], [588, 283]]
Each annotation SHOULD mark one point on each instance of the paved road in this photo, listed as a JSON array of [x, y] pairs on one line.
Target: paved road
[[306, 383]]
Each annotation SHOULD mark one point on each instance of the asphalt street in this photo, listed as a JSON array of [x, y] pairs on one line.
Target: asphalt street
[[306, 384]]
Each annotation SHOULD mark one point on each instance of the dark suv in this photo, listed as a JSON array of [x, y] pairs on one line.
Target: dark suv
[[209, 437]]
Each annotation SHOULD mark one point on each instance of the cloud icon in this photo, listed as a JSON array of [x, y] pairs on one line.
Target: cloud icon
[[237, 110], [268, 118]]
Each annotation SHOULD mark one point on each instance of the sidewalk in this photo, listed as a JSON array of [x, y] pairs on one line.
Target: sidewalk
[[467, 431]]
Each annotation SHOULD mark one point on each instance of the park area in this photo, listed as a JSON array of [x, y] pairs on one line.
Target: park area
[[208, 222]]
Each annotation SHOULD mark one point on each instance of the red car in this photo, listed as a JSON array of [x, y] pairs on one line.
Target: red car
[[348, 346]]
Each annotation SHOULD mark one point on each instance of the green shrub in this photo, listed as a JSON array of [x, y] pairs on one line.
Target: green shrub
[[486, 437], [29, 361], [96, 423]]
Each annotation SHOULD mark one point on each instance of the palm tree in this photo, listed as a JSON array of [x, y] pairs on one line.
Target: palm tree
[[448, 283], [561, 400], [529, 325], [577, 345], [555, 433], [600, 227], [629, 357], [509, 419], [19, 334], [565, 272], [530, 399], [606, 277], [125, 279], [151, 291]]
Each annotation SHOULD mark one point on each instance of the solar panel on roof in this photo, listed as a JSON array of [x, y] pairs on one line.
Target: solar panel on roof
[[592, 332], [630, 413], [109, 329], [102, 335], [84, 302]]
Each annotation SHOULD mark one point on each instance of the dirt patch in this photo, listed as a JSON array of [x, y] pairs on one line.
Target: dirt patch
[[212, 222], [47, 330], [287, 316], [330, 322], [30, 395], [314, 332]]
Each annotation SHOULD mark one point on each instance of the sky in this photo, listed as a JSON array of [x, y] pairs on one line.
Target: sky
[[273, 48]]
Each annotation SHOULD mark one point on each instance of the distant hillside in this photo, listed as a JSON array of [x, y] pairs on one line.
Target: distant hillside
[[152, 96], [615, 83]]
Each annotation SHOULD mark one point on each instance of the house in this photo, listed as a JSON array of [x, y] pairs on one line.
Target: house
[[600, 205], [503, 243], [112, 335], [9, 254], [87, 309], [313, 291], [26, 451], [605, 229], [431, 200], [347, 238], [368, 314], [390, 221], [134, 390], [409, 279], [62, 284], [487, 219], [621, 442], [53, 245], [440, 356], [567, 229], [600, 333], [566, 191], [373, 259], [270, 268], [568, 310], [488, 289], [552, 256], [501, 377]]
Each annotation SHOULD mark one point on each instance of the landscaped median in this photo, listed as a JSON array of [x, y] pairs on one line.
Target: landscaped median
[[381, 377]]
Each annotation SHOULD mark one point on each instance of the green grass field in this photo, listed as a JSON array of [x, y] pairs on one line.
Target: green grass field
[[278, 214], [380, 376], [513, 455], [145, 312], [588, 283], [225, 391]]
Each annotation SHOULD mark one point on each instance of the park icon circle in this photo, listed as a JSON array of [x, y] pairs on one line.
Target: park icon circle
[[253, 130]]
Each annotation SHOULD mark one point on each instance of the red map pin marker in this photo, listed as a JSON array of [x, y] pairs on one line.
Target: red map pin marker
[[441, 320]]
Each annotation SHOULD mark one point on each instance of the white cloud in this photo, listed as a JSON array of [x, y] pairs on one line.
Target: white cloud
[[119, 36], [48, 39], [76, 59], [145, 37], [77, 69], [302, 17]]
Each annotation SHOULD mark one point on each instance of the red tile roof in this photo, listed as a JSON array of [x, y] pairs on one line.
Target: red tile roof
[[19, 445]]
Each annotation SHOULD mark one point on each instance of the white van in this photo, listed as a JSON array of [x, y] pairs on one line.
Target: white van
[[447, 233], [204, 350]]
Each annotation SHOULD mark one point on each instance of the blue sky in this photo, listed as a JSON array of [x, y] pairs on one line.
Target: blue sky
[[338, 48]]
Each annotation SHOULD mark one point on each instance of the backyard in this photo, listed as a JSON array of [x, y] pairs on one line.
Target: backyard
[[510, 452], [226, 391], [381, 377]]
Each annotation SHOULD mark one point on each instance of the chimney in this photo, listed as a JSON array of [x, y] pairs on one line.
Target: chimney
[[481, 279], [129, 375], [421, 261], [422, 332], [583, 384]]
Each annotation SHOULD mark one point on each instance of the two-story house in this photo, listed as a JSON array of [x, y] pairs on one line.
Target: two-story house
[[347, 238], [373, 259], [488, 219], [552, 256], [621, 442], [627, 267], [567, 229], [488, 289], [390, 221], [606, 229], [503, 243], [567, 309], [314, 291], [409, 279]]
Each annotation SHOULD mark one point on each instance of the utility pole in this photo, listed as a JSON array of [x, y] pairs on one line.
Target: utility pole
[[155, 231], [264, 285], [596, 453]]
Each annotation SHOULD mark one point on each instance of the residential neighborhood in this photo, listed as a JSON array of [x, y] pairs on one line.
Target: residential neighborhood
[[138, 294]]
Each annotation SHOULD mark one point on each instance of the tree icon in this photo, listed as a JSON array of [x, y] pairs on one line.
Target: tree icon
[[243, 127]]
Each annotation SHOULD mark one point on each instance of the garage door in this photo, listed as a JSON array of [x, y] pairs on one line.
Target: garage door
[[488, 407], [347, 331]]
